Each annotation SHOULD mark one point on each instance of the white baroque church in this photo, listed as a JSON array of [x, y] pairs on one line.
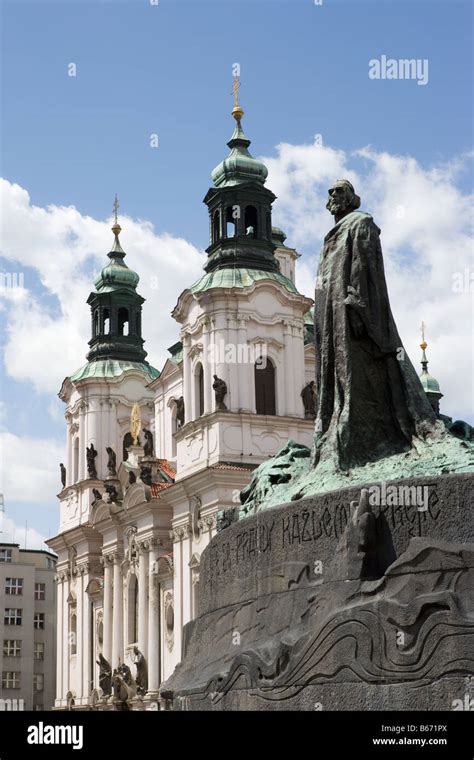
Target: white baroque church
[[139, 500]]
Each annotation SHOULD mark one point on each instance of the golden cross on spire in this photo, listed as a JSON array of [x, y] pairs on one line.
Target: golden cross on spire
[[115, 207], [237, 111], [423, 343]]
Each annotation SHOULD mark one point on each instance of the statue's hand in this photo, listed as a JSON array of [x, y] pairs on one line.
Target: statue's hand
[[356, 323]]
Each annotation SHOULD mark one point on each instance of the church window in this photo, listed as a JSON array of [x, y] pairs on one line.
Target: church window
[[72, 626], [105, 322], [76, 459], [230, 220], [96, 323], [215, 226], [199, 383], [265, 388], [123, 324], [133, 610], [251, 221]]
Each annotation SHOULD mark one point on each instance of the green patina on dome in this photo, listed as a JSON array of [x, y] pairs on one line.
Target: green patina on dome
[[116, 274], [111, 368], [429, 383], [239, 166], [239, 278]]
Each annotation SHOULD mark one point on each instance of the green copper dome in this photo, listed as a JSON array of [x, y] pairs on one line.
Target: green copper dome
[[110, 368], [239, 166], [116, 274], [429, 383], [238, 278]]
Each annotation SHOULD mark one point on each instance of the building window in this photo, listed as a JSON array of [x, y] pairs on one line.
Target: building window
[[133, 610], [199, 379], [38, 708], [40, 591], [39, 650], [5, 555], [105, 322], [12, 648], [73, 630], [230, 221], [265, 388], [11, 679], [96, 323], [76, 460], [14, 586], [12, 617], [123, 324], [50, 563], [251, 221], [39, 621], [38, 682]]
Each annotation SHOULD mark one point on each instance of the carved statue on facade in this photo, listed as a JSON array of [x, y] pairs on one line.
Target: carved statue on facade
[[220, 392], [112, 461], [97, 495], [148, 447], [91, 454], [179, 411], [309, 401], [112, 493], [63, 475], [105, 675], [145, 475], [135, 424], [142, 671]]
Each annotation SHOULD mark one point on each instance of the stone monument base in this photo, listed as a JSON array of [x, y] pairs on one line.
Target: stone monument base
[[349, 600]]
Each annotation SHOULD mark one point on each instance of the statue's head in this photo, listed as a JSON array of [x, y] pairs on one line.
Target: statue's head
[[342, 198]]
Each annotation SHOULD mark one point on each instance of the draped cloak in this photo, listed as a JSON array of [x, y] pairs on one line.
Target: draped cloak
[[370, 401]]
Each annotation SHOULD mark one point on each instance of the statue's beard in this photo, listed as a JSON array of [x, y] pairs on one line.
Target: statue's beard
[[336, 207]]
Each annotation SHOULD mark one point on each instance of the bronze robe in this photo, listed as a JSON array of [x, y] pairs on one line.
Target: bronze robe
[[370, 402]]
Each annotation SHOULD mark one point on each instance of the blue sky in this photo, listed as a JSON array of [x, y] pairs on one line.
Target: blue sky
[[167, 69]]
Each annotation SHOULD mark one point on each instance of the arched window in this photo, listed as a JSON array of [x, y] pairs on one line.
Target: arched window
[[265, 388], [216, 233], [123, 324], [72, 633], [230, 222], [76, 460], [174, 428], [127, 441], [105, 322], [251, 221], [133, 610], [199, 390]]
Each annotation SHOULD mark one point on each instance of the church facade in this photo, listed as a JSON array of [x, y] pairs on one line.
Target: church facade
[[154, 456]]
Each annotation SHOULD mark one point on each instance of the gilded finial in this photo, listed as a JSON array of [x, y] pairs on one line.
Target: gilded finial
[[237, 111], [423, 343], [116, 228], [135, 423]]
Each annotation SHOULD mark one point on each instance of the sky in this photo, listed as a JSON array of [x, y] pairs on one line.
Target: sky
[[89, 88]]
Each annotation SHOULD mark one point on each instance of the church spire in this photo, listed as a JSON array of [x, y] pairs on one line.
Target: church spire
[[429, 383], [240, 206], [116, 307]]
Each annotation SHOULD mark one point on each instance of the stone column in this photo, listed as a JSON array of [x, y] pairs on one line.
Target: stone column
[[153, 620], [143, 599], [85, 633], [117, 625], [187, 379], [107, 645]]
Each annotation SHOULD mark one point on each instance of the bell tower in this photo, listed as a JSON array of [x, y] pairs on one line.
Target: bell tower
[[116, 308], [240, 207]]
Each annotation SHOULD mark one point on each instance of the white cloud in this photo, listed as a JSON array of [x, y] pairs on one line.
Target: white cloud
[[12, 533], [64, 247], [424, 218], [29, 470]]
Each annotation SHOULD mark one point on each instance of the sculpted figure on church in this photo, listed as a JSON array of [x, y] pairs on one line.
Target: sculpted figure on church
[[105, 675], [370, 402], [179, 411], [112, 461], [142, 671], [220, 392], [112, 493], [145, 475], [97, 495], [309, 401], [148, 447], [91, 454], [63, 475]]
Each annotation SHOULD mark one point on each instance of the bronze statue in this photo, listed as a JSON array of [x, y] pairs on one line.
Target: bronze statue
[[132, 478], [142, 671], [145, 475], [63, 475], [220, 391], [148, 448], [91, 454], [370, 402], [112, 493], [112, 461], [105, 675], [309, 401], [179, 411], [97, 495]]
